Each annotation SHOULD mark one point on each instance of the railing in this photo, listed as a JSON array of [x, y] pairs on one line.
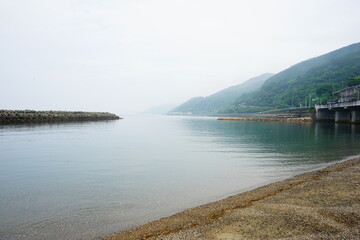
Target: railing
[[287, 109]]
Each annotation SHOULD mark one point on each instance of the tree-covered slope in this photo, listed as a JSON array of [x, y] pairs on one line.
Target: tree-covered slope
[[221, 99], [313, 79]]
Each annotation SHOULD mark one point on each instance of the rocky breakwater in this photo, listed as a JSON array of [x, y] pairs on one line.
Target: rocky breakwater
[[30, 116]]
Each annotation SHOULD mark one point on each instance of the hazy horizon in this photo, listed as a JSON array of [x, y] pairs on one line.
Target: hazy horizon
[[128, 56]]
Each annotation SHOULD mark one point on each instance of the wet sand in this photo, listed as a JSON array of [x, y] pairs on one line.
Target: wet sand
[[323, 204]]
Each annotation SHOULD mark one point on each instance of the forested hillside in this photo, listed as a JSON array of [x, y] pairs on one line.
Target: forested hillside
[[310, 81], [221, 99]]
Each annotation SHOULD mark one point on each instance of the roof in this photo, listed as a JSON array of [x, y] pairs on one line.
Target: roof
[[356, 87]]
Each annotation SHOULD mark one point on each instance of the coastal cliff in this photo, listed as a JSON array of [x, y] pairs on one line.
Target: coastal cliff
[[31, 116]]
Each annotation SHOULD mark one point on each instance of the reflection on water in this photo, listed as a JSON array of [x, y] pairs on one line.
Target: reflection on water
[[283, 143], [84, 180]]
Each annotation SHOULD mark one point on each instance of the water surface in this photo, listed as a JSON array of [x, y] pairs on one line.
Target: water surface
[[85, 180]]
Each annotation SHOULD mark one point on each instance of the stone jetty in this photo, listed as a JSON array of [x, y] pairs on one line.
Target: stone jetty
[[31, 116]]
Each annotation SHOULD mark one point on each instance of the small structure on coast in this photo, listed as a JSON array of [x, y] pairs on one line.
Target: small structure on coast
[[348, 94], [31, 116], [345, 108]]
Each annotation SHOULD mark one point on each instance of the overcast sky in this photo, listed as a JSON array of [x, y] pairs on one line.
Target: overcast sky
[[127, 56]]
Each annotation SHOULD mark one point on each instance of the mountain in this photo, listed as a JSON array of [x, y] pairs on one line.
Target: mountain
[[221, 99], [159, 110], [312, 80]]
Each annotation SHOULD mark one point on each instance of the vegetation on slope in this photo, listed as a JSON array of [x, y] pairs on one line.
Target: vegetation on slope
[[311, 81], [221, 99]]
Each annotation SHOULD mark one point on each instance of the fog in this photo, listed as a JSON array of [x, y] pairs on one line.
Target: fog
[[127, 56]]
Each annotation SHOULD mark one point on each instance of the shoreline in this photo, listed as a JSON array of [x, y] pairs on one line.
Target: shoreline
[[302, 119], [316, 203]]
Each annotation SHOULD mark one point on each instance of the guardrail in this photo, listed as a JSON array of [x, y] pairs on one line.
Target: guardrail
[[287, 109], [339, 105]]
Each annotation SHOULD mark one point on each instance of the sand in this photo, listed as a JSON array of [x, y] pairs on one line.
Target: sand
[[323, 204]]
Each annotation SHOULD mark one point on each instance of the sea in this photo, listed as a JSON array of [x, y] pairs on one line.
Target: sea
[[85, 180]]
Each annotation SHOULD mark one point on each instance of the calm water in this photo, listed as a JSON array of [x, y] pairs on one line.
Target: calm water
[[84, 180]]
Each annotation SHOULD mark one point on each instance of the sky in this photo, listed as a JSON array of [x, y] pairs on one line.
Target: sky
[[127, 56]]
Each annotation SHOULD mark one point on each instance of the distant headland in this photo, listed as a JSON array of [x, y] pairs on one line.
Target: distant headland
[[31, 116]]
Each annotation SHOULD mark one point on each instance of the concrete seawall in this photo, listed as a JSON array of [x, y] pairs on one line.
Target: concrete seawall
[[30, 116], [303, 119]]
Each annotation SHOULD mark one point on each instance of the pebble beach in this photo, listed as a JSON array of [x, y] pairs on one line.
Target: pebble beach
[[323, 204]]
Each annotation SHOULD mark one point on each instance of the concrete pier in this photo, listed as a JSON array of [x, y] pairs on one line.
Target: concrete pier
[[342, 116], [355, 116], [325, 115], [340, 112]]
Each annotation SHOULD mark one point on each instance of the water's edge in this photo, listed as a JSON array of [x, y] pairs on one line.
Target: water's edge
[[88, 180], [209, 212]]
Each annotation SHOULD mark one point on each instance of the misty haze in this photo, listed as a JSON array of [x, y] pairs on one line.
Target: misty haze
[[179, 119]]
